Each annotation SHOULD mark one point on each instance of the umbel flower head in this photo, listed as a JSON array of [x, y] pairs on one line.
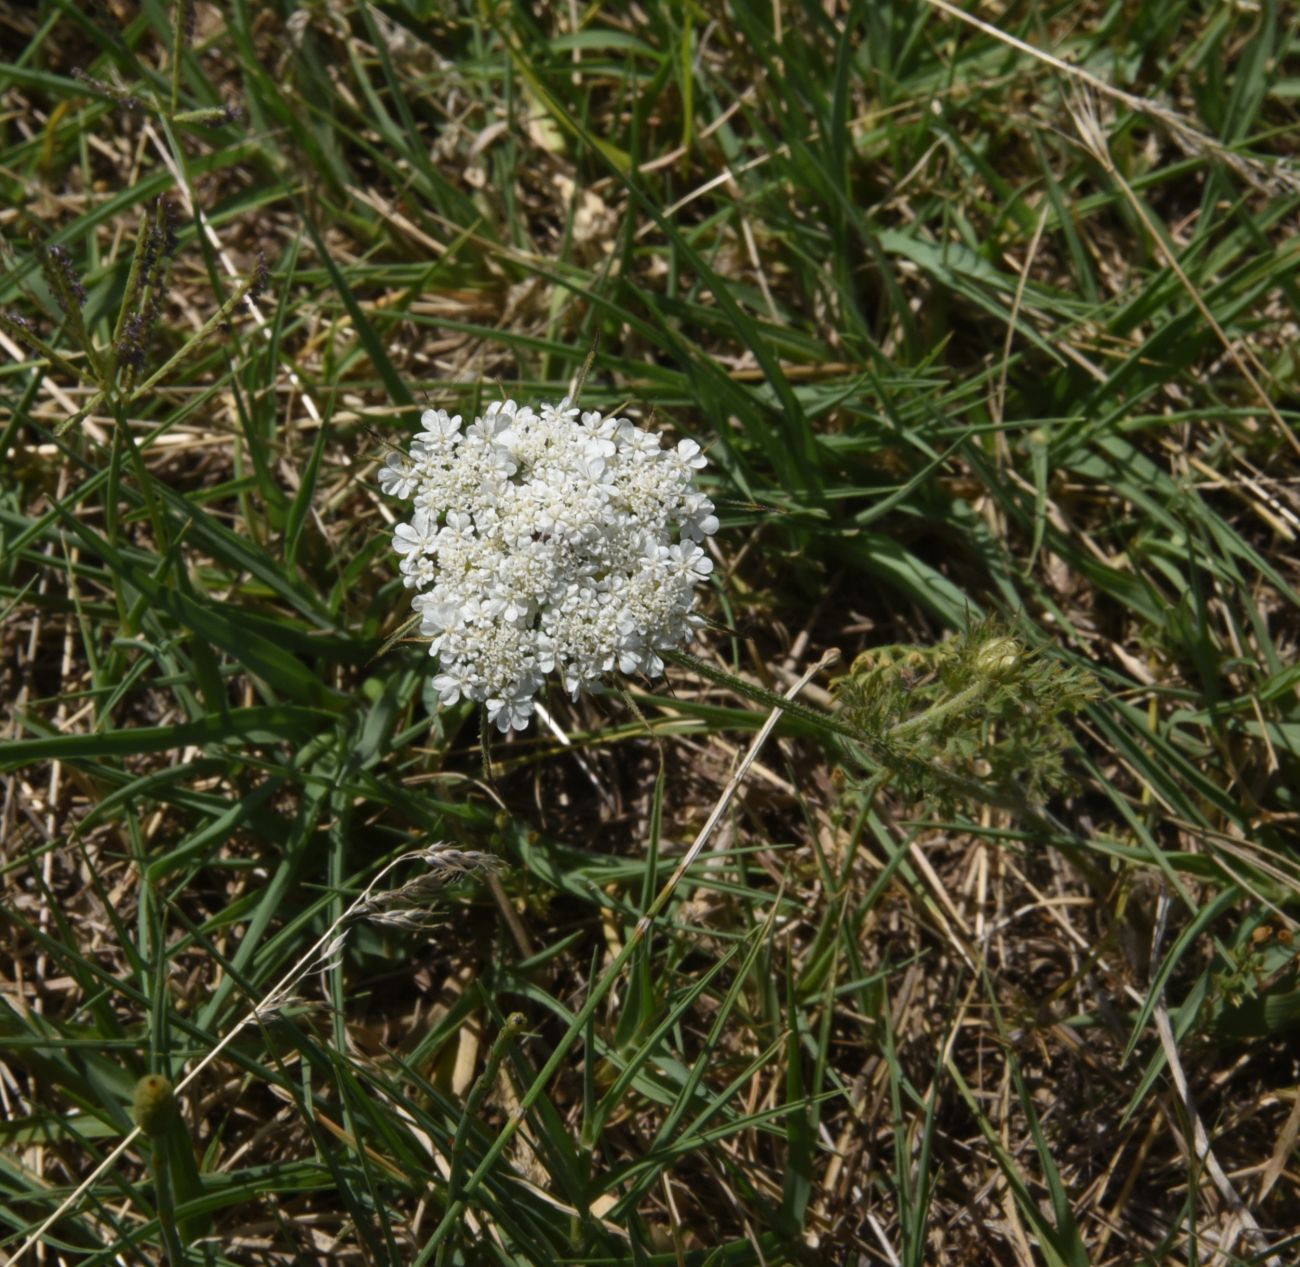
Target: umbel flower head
[[547, 541]]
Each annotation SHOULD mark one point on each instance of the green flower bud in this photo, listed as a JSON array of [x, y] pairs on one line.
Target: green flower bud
[[998, 657], [153, 1104]]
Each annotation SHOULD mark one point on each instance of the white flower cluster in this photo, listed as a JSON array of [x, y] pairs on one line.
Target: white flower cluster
[[544, 541]]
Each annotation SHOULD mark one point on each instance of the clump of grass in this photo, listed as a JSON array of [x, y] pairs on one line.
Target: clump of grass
[[118, 373]]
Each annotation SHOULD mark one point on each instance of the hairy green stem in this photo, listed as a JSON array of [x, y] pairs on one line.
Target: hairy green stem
[[937, 712], [761, 695], [514, 1026]]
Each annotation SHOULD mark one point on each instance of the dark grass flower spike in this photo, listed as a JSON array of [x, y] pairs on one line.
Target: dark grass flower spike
[[62, 274], [146, 289], [121, 96]]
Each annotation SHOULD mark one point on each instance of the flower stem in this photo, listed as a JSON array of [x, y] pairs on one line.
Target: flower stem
[[515, 1025], [761, 695], [944, 708]]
